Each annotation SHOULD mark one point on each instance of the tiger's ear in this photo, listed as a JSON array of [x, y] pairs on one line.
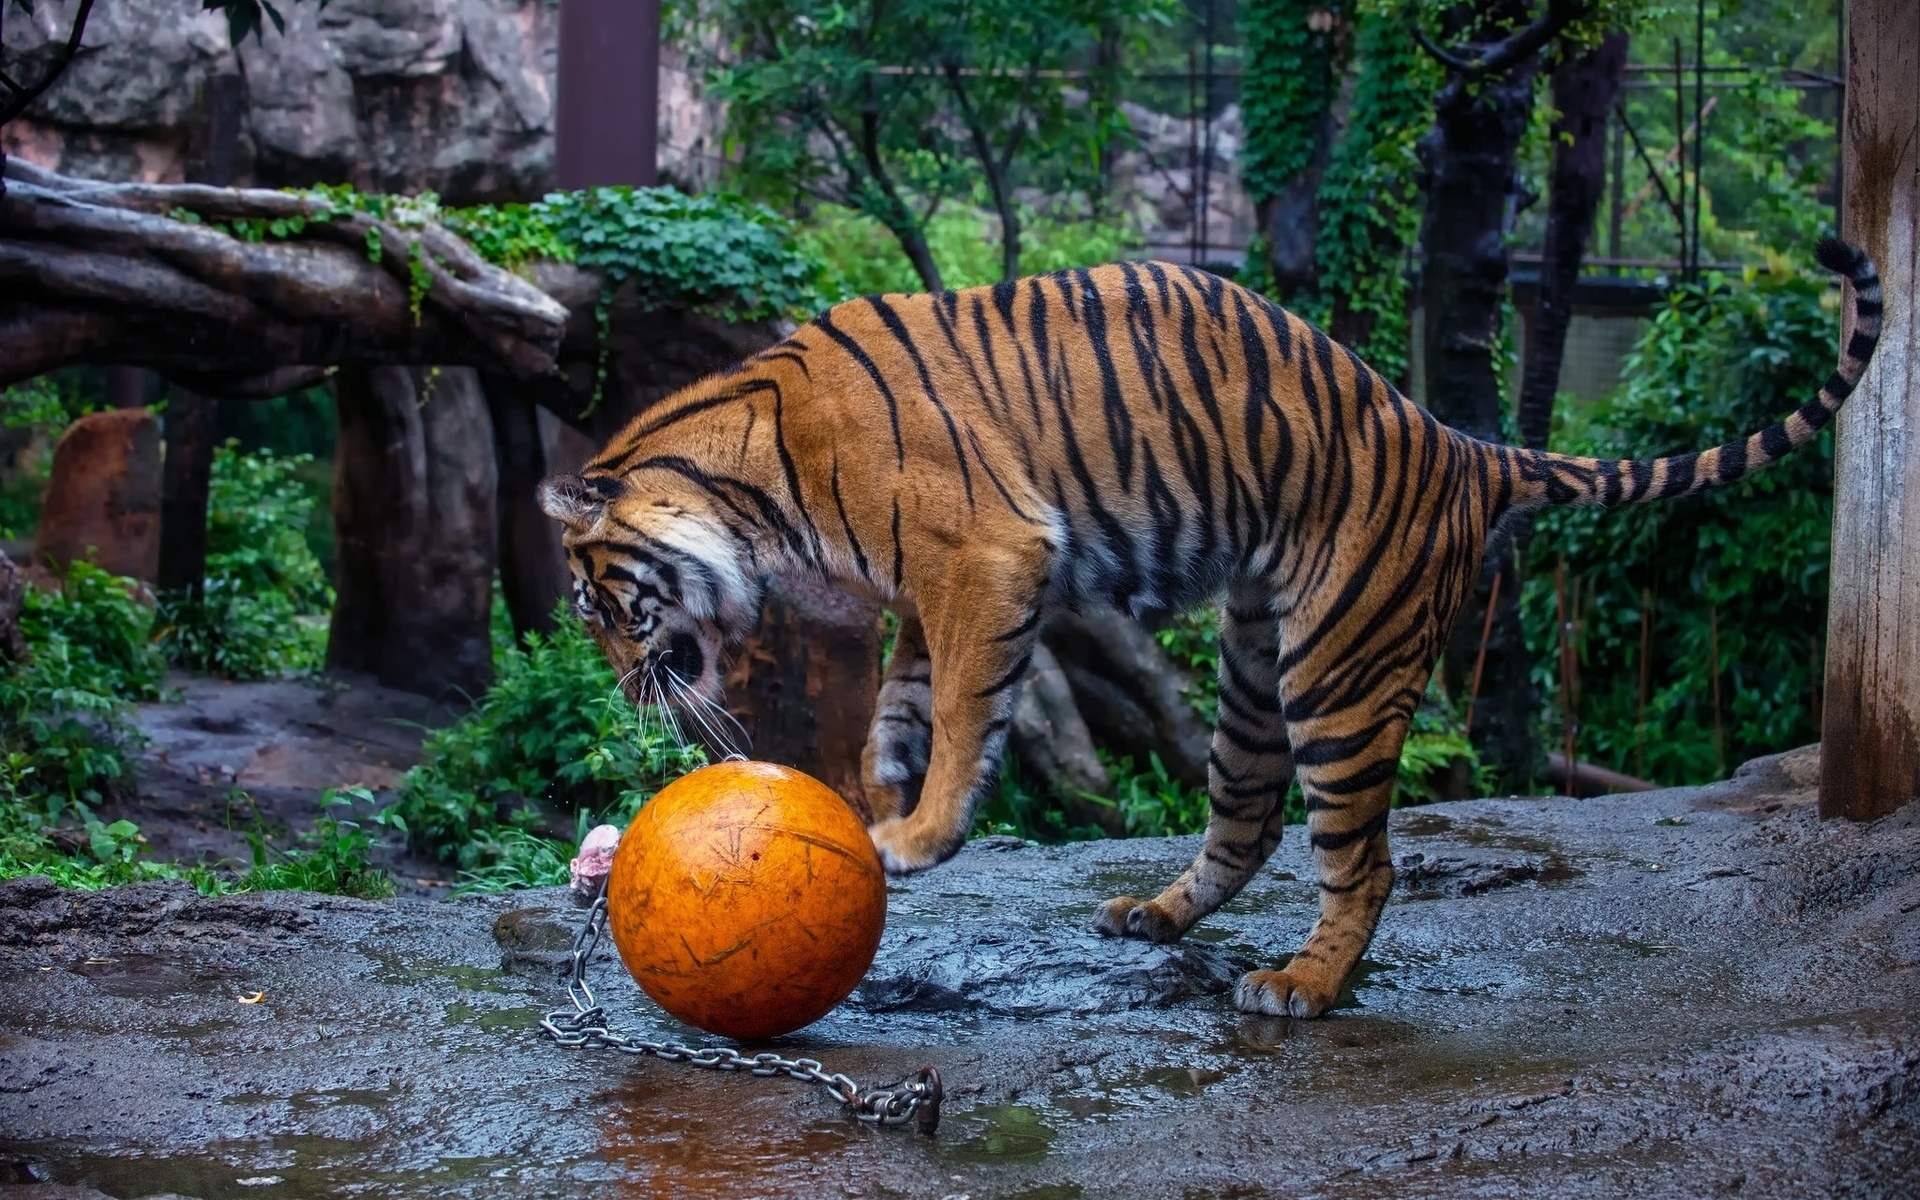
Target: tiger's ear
[[571, 500]]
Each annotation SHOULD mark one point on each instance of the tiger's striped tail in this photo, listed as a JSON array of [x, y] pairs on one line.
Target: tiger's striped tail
[[1542, 479]]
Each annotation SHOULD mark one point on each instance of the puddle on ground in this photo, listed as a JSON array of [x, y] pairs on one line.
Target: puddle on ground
[[1424, 824], [524, 1017], [468, 979], [284, 1167], [150, 977], [995, 1133]]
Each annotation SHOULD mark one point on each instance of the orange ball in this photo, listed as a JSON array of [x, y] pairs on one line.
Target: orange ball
[[746, 899]]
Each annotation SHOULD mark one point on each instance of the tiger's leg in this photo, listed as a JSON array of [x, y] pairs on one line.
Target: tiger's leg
[[1348, 750], [894, 764], [1247, 776], [980, 616]]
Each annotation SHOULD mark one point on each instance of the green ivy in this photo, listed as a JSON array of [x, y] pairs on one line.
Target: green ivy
[[1287, 84], [1369, 199], [717, 253], [1735, 574]]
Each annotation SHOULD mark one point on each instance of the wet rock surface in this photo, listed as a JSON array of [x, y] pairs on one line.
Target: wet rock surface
[[221, 760], [1693, 993]]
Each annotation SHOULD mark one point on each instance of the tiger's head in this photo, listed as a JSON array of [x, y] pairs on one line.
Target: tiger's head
[[658, 581]]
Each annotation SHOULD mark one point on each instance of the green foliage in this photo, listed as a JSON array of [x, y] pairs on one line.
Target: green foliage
[[895, 111], [262, 575], [1771, 145], [514, 859], [31, 415], [718, 254], [1740, 571], [334, 858], [87, 653], [108, 854], [38, 403], [715, 253], [553, 730], [1290, 74], [1369, 198], [862, 258]]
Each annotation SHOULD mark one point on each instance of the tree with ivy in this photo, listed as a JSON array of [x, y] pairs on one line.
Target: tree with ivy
[[1295, 53], [893, 108], [1369, 203]]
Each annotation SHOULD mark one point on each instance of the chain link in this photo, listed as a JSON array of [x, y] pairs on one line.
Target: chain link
[[915, 1098]]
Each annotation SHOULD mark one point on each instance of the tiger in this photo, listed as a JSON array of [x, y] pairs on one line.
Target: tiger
[[1140, 435]]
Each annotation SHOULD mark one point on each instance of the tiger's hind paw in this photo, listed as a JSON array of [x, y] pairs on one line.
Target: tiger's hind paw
[[1123, 916], [1279, 994]]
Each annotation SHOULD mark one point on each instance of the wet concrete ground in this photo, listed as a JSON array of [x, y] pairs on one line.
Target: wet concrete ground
[[1684, 993]]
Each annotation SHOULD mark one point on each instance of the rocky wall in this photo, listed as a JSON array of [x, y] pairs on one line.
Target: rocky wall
[[452, 96]]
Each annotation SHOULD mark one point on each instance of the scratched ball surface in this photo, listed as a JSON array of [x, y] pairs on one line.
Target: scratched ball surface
[[746, 899]]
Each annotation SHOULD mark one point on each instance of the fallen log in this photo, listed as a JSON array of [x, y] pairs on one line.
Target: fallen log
[[153, 275], [1591, 779]]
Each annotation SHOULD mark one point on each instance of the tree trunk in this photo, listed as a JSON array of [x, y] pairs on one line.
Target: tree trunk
[[13, 597], [1051, 742], [533, 570], [805, 683], [413, 507], [1469, 156], [188, 424], [1870, 735], [187, 473], [1131, 695], [1584, 91], [93, 272]]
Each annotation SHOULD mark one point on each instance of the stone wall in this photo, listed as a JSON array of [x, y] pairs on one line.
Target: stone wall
[[453, 96]]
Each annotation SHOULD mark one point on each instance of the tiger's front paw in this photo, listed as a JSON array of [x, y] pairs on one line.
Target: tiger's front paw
[[1123, 916], [1281, 994], [906, 846]]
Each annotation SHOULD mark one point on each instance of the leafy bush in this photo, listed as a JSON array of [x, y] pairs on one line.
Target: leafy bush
[[262, 575], [715, 253], [88, 652], [334, 858], [862, 257], [552, 731], [1733, 581]]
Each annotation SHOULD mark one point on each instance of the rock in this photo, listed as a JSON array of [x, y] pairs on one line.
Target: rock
[[1010, 970], [1684, 1016], [452, 96], [1451, 876], [536, 942], [103, 496]]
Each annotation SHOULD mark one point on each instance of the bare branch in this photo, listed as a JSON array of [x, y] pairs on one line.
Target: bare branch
[[23, 98]]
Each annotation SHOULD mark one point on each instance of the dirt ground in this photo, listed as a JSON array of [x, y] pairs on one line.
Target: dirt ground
[[1683, 993]]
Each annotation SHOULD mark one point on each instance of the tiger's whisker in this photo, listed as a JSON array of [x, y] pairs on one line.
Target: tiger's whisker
[[693, 702]]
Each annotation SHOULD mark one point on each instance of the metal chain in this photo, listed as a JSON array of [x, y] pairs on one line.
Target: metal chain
[[915, 1098]]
